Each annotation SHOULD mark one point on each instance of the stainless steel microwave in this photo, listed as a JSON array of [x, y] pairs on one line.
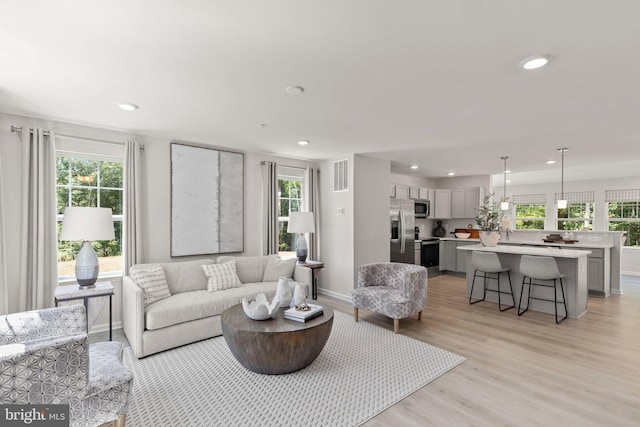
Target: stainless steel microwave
[[422, 208]]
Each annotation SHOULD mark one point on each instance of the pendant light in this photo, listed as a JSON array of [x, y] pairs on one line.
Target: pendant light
[[562, 202], [504, 203]]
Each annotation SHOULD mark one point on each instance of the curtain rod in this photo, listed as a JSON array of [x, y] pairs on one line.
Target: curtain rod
[[264, 162], [61, 135]]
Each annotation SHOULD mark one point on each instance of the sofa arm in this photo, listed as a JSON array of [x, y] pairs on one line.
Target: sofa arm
[[133, 314]]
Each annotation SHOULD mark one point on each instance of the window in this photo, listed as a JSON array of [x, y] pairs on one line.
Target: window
[[579, 213], [623, 208], [93, 182], [530, 211], [290, 184]]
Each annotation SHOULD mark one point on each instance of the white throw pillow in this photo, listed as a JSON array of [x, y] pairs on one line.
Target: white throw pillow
[[153, 282], [221, 276], [277, 268]]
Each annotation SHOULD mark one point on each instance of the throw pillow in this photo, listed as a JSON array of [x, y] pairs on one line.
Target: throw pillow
[[277, 268], [221, 276], [152, 281]]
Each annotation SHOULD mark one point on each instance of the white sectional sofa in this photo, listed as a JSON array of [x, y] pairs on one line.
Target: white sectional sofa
[[191, 312]]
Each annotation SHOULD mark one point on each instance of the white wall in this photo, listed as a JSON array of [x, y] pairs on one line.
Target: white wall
[[412, 181]]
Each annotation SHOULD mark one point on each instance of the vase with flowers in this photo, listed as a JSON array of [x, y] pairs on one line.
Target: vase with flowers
[[489, 218]]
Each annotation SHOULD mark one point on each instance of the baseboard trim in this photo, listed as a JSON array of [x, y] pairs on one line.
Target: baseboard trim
[[335, 295], [104, 327]]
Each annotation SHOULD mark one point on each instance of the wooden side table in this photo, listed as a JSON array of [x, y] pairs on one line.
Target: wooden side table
[[71, 293], [315, 267]]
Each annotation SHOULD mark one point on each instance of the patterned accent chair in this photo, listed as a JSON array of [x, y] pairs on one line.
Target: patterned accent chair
[[394, 289], [45, 358]]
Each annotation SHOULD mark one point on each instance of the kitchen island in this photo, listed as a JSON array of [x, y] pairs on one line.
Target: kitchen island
[[571, 262]]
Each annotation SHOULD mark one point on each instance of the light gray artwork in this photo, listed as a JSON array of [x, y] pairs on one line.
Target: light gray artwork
[[207, 201]]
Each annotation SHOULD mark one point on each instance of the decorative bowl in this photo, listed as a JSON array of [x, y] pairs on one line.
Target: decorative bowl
[[260, 308], [463, 235], [554, 237]]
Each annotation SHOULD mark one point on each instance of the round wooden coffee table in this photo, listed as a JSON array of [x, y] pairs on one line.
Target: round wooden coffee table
[[277, 345]]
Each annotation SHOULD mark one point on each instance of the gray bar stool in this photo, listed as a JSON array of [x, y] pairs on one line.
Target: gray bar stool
[[541, 268], [487, 266]]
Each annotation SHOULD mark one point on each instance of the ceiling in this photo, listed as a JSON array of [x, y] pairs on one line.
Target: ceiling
[[431, 83]]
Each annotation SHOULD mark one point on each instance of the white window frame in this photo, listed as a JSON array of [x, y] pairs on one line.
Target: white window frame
[[293, 174], [624, 197], [115, 218]]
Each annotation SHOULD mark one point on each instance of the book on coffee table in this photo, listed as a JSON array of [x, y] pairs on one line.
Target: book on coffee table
[[302, 315]]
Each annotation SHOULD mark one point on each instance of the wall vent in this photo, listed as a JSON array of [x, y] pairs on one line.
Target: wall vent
[[341, 175]]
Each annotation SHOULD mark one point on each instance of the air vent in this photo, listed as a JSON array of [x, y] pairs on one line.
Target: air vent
[[341, 175]]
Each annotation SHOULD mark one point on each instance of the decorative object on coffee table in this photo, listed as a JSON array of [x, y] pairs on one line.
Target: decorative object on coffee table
[[278, 346], [260, 309], [283, 292], [88, 225], [299, 294], [301, 222]]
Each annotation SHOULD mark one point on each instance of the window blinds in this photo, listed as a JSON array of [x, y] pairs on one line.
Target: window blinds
[[577, 196], [530, 199], [631, 195]]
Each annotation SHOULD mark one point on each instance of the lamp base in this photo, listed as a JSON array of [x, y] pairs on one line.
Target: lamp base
[[87, 268], [301, 248]]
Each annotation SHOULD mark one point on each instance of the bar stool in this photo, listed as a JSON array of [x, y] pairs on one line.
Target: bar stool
[[542, 268], [486, 265]]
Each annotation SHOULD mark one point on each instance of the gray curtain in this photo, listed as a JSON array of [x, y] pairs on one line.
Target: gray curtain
[[132, 196], [38, 251], [4, 296], [312, 203], [270, 208]]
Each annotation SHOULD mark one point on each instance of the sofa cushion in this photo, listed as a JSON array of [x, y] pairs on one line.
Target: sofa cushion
[[221, 276], [152, 280], [187, 306], [277, 268], [185, 276], [250, 269]]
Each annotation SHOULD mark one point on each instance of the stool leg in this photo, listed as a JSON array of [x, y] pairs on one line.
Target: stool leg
[[511, 288], [475, 274], [499, 301], [564, 300], [520, 313]]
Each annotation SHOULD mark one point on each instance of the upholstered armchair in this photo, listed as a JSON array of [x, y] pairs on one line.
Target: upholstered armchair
[[394, 289], [45, 358]]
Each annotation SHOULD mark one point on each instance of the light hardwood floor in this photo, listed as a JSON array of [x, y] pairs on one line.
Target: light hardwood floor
[[522, 371]]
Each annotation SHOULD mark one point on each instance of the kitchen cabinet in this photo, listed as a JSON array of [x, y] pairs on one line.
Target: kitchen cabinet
[[465, 202], [418, 253], [426, 194], [442, 202], [402, 192], [392, 190], [414, 193], [451, 259]]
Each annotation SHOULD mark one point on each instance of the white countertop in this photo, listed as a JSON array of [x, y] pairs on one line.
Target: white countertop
[[552, 251], [580, 244]]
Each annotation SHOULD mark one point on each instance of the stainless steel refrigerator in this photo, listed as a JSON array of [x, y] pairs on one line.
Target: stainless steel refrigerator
[[401, 225]]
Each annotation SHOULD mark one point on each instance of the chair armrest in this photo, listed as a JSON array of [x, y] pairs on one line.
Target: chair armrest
[[46, 323], [304, 275], [133, 314], [414, 284]]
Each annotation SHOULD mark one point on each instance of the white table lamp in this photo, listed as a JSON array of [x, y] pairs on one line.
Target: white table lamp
[[88, 225], [301, 222]]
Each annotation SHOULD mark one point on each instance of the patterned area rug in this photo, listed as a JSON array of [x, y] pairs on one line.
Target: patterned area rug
[[362, 370]]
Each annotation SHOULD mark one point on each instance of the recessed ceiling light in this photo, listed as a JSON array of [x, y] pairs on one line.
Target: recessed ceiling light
[[451, 173], [550, 162], [303, 142], [508, 181], [295, 90], [127, 106], [507, 171], [414, 166], [533, 62]]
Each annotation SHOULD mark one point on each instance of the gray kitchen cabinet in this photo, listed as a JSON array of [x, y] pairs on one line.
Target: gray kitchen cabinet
[[451, 259], [402, 192], [465, 202], [442, 208], [461, 256], [418, 250]]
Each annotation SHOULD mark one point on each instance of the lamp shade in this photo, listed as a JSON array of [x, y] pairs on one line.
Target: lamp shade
[[87, 224], [301, 222]]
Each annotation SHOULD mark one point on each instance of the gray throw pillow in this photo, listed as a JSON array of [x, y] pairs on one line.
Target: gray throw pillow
[[277, 268]]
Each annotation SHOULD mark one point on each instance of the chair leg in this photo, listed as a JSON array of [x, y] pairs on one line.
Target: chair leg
[[420, 315], [120, 421], [396, 325], [564, 301], [511, 289], [520, 313], [475, 274], [355, 313]]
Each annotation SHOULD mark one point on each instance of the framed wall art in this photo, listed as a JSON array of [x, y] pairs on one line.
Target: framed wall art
[[207, 201]]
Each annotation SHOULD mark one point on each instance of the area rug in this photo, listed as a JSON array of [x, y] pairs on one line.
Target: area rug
[[362, 370]]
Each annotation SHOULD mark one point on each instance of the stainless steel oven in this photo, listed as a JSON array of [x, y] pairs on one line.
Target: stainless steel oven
[[430, 256]]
